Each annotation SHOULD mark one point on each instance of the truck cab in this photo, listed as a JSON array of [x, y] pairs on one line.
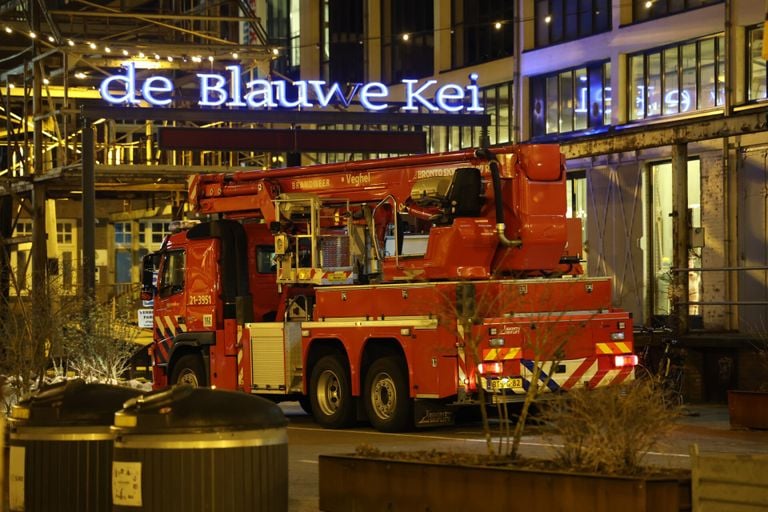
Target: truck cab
[[210, 278]]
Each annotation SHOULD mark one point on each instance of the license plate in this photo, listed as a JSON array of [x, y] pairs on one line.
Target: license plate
[[516, 382]]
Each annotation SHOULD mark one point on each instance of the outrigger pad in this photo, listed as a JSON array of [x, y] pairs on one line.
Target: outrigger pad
[[429, 413]]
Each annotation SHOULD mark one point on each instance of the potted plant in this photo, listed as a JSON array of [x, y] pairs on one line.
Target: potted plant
[[603, 434]]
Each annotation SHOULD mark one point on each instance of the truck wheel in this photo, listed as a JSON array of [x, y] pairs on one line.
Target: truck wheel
[[387, 401], [330, 393], [189, 369]]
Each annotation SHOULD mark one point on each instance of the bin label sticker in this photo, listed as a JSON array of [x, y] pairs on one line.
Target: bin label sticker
[[16, 478], [126, 483]]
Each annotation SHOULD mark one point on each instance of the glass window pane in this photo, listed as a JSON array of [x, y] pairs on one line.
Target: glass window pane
[[607, 94], [720, 70], [757, 88], [542, 27], [637, 81], [505, 108], [553, 114], [585, 17], [689, 92], [538, 101], [571, 20], [581, 109], [557, 25], [454, 139], [490, 109], [602, 9], [653, 86], [566, 102], [671, 77], [708, 85]]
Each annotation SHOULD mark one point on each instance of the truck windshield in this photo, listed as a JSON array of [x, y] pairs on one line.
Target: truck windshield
[[172, 273]]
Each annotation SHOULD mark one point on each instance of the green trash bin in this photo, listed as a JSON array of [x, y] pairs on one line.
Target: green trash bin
[[200, 449], [60, 447]]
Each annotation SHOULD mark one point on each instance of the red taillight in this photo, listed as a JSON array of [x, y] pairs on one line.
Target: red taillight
[[625, 360], [495, 367]]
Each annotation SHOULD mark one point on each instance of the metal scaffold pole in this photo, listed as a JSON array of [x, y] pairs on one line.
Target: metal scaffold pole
[[89, 212]]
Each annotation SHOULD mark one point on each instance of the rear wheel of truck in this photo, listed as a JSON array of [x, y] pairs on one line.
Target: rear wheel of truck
[[387, 401], [189, 369], [330, 393]]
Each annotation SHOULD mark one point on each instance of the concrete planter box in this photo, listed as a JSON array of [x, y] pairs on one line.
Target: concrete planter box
[[748, 409], [729, 481], [349, 483]]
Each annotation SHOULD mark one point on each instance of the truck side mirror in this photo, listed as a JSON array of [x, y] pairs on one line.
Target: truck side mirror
[[149, 276]]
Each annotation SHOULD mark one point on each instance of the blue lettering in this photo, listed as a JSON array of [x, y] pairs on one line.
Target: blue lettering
[[148, 90], [411, 95], [236, 83], [373, 90], [228, 89], [260, 89], [130, 86], [301, 92], [449, 97], [212, 84]]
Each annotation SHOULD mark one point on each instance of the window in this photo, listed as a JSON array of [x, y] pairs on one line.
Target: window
[[265, 259], [643, 10], [678, 79], [498, 104], [661, 233], [23, 228], [172, 273], [342, 50], [407, 39], [576, 202], [481, 30], [558, 21], [159, 231], [123, 235], [283, 25], [756, 67], [571, 100], [64, 232]]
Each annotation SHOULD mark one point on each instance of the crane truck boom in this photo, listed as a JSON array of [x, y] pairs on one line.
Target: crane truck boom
[[395, 290]]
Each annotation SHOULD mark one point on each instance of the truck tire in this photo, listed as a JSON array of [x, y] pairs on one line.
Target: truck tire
[[330, 393], [387, 401], [189, 369]]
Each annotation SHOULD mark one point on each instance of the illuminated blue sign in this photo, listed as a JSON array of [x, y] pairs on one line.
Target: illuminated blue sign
[[228, 90]]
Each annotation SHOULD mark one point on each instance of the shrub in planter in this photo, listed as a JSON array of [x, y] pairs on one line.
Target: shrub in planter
[[603, 434], [608, 430]]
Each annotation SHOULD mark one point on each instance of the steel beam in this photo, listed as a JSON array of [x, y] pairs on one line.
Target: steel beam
[[289, 117], [89, 212], [147, 16], [619, 140], [295, 141]]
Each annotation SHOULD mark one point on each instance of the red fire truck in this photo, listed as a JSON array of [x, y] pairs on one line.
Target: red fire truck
[[390, 290]]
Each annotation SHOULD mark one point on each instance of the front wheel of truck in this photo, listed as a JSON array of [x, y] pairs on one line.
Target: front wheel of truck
[[189, 369]]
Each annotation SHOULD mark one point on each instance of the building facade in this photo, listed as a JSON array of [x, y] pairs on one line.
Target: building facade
[[659, 105]]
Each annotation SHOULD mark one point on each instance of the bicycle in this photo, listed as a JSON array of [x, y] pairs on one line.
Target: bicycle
[[668, 371]]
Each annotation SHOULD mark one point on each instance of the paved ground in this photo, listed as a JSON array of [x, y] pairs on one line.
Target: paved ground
[[704, 425]]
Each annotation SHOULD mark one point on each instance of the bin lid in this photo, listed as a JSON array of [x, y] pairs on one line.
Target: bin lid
[[185, 408], [72, 403]]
